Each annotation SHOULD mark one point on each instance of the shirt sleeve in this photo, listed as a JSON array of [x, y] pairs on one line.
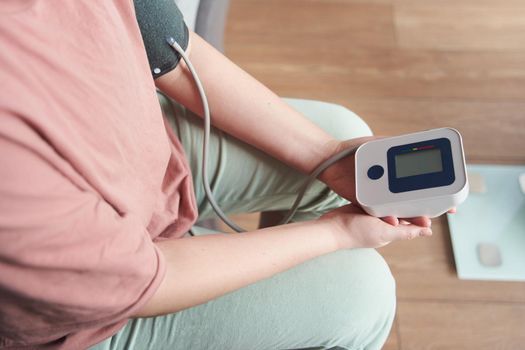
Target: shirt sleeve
[[158, 20], [68, 260]]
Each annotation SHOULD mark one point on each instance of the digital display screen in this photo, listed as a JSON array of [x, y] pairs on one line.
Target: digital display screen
[[418, 163]]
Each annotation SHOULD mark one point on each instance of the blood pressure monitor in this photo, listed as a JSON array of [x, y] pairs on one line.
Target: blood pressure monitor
[[420, 174]]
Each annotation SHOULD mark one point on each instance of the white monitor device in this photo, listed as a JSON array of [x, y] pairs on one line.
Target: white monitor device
[[420, 174]]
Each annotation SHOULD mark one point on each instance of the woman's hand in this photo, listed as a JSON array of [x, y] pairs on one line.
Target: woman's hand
[[357, 229], [340, 177]]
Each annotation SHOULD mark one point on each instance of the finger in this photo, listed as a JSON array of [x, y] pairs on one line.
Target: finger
[[421, 221], [391, 220], [452, 211], [408, 232], [404, 232]]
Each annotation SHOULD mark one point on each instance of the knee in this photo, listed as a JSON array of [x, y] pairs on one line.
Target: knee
[[346, 124], [365, 301], [337, 120]]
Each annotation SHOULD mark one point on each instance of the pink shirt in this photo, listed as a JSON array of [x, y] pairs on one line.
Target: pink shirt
[[90, 176]]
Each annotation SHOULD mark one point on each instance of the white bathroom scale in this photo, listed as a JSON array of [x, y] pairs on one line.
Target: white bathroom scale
[[488, 231]]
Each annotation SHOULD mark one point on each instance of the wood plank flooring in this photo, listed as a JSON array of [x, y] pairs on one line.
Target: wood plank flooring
[[460, 25], [407, 65]]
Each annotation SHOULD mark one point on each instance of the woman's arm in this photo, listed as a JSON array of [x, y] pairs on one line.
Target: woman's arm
[[246, 109], [203, 268]]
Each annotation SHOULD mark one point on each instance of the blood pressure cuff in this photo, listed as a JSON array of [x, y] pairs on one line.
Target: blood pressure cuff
[[159, 20]]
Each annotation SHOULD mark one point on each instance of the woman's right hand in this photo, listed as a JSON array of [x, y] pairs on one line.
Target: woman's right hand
[[356, 229]]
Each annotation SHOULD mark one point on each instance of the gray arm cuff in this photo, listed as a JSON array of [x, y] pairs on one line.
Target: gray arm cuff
[[158, 20]]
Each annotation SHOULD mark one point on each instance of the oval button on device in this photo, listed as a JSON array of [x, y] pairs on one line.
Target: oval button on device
[[375, 172]]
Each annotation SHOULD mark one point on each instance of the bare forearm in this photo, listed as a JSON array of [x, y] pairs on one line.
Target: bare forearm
[[245, 108], [202, 268]]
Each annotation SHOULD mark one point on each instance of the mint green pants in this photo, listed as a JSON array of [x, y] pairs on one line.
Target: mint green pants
[[340, 300]]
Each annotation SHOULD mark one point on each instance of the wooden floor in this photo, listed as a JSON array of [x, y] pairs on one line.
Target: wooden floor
[[407, 65]]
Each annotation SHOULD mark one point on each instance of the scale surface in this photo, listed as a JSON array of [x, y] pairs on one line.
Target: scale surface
[[488, 231]]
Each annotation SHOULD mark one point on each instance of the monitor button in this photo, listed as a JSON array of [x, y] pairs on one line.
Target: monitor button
[[375, 172]]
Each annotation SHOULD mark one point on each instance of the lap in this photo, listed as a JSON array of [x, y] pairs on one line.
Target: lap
[[343, 299]]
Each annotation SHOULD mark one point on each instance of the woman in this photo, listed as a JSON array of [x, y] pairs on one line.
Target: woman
[[98, 195]]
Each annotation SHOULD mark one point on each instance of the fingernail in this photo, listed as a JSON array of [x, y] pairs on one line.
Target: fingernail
[[426, 233]]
